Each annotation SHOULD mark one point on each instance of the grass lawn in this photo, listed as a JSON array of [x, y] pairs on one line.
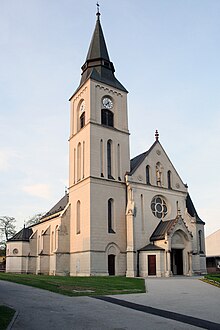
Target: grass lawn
[[213, 279], [6, 315], [79, 286]]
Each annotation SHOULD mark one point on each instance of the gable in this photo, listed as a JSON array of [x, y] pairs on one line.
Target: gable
[[168, 227], [158, 165]]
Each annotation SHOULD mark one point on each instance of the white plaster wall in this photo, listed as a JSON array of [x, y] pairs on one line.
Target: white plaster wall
[[213, 244]]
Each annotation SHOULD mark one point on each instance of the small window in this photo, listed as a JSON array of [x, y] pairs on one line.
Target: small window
[[82, 120], [107, 118]]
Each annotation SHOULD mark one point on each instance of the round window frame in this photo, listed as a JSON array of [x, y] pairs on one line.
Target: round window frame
[[163, 205]]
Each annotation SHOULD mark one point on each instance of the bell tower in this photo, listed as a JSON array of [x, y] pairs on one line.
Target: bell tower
[[99, 159]]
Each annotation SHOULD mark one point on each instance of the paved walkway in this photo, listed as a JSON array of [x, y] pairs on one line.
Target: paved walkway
[[173, 303]]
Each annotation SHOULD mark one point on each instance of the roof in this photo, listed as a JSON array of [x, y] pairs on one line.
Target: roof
[[136, 161], [98, 65], [161, 230], [151, 247], [23, 235], [191, 209], [98, 48], [60, 206]]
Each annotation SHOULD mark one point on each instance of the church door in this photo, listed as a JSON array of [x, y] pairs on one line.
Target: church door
[[111, 264], [152, 265], [177, 261]]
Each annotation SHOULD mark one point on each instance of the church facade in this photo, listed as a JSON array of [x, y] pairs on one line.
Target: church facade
[[120, 216]]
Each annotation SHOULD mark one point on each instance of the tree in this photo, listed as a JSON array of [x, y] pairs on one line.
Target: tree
[[34, 219], [7, 229]]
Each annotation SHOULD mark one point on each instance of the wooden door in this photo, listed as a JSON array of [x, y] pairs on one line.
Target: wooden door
[[152, 265]]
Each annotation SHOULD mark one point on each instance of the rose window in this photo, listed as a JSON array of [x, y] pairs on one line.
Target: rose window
[[159, 207]]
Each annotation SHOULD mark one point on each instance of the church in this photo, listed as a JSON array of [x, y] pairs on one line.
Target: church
[[120, 216]]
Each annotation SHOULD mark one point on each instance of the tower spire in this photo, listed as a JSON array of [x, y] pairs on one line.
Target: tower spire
[[98, 65]]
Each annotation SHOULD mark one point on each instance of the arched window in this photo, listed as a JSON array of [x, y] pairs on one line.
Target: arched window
[[147, 174], [79, 161], [42, 240], [200, 242], [81, 115], [142, 212], [101, 158], [107, 118], [119, 163], [78, 215], [82, 120], [83, 160], [169, 179], [52, 241], [39, 244], [56, 237], [109, 159], [74, 165], [111, 216]]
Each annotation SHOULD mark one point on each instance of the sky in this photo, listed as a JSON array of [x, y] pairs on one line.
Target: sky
[[166, 54]]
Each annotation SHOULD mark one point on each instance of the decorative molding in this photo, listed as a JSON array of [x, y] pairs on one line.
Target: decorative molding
[[79, 95], [110, 91]]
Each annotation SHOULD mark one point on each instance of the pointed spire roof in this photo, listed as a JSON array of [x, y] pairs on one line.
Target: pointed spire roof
[[98, 65], [98, 48]]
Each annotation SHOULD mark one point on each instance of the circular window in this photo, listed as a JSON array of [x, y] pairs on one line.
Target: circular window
[[15, 251], [159, 207]]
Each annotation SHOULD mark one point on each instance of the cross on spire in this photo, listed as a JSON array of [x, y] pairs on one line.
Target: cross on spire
[[157, 135], [97, 13]]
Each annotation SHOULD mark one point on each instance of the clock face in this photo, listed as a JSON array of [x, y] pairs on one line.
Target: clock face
[[107, 103], [82, 106]]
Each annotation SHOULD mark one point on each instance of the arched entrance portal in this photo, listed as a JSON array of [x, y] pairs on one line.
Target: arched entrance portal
[[178, 244], [111, 264]]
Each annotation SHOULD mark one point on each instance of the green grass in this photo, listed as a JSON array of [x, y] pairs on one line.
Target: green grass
[[79, 286], [213, 279], [6, 315]]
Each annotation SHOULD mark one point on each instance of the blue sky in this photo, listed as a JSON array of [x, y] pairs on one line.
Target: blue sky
[[166, 53]]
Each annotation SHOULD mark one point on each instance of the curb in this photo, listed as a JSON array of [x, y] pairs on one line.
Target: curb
[[12, 321]]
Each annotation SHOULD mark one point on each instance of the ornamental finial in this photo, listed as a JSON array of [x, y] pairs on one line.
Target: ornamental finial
[[97, 13], [157, 135]]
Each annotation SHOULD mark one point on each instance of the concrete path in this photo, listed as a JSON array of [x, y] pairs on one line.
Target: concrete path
[[173, 303]]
